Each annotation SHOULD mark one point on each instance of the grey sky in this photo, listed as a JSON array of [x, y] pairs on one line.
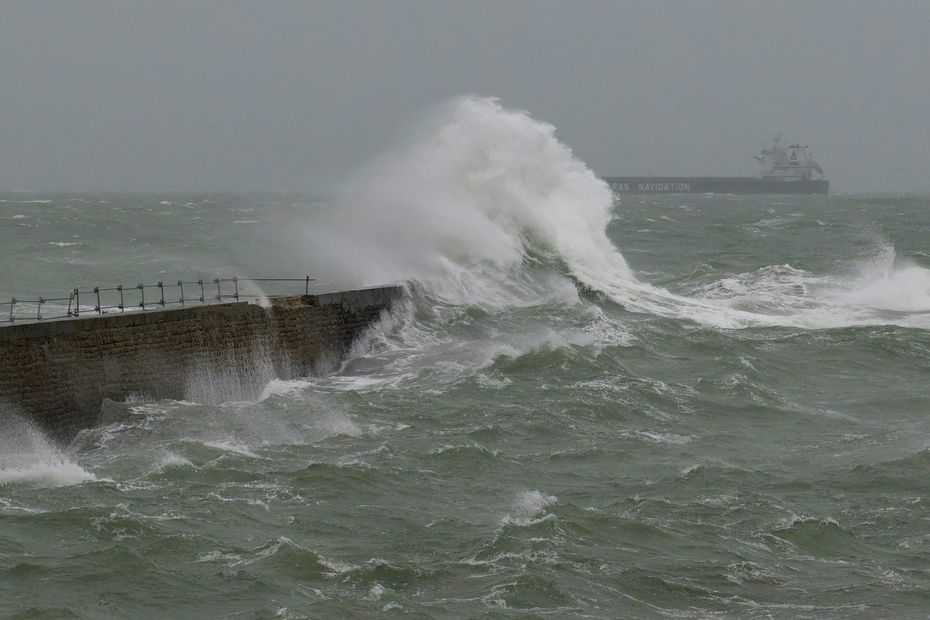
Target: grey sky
[[291, 95]]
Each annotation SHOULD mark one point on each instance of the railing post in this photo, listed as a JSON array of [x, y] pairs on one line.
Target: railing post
[[74, 298]]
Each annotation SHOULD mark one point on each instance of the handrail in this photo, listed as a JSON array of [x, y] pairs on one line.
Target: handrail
[[120, 298]]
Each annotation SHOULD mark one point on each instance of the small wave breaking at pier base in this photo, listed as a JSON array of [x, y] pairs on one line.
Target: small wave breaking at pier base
[[29, 458]]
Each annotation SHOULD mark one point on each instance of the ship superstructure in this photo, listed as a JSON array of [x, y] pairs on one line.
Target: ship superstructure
[[783, 170], [788, 164]]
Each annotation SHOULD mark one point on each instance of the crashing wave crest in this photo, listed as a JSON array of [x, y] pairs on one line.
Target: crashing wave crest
[[486, 206]]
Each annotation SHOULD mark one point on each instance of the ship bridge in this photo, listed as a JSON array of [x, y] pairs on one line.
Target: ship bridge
[[788, 163]]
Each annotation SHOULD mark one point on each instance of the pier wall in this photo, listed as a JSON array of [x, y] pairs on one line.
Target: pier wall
[[58, 373]]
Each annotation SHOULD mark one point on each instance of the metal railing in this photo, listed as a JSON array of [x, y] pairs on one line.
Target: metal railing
[[142, 297]]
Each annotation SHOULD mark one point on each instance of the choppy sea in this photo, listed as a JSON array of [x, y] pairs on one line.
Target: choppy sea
[[586, 407]]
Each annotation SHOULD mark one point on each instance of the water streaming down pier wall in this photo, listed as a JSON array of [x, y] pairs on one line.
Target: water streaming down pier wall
[[59, 372]]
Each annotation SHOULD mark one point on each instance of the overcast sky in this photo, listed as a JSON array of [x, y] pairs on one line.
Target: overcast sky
[[231, 95]]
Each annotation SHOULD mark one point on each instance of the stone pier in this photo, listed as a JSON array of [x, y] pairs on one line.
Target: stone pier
[[57, 373]]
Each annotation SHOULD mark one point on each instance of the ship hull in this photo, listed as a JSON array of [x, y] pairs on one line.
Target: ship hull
[[714, 185]]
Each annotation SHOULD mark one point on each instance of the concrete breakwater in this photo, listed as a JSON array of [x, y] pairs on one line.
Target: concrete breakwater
[[58, 373]]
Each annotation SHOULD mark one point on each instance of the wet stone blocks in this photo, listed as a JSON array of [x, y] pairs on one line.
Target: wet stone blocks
[[58, 373]]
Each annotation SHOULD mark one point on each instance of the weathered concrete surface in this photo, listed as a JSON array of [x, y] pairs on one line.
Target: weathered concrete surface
[[59, 372]]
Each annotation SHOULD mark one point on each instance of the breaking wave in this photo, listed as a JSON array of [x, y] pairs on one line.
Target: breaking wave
[[27, 457], [485, 206]]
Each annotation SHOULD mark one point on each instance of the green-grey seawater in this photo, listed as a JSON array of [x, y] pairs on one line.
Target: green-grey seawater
[[566, 452]]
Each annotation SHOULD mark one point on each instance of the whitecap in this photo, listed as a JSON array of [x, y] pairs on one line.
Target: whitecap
[[52, 474], [169, 460], [233, 446], [527, 506]]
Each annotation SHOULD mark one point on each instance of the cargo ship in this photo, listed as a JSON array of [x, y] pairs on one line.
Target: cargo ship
[[784, 170]]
